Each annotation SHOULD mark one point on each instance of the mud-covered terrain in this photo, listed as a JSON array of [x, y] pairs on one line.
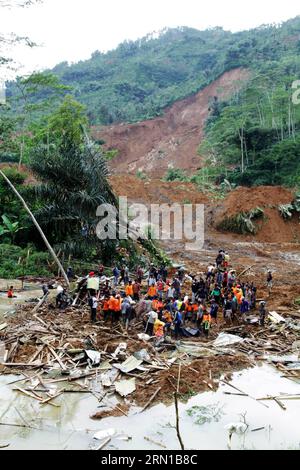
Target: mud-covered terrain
[[171, 140]]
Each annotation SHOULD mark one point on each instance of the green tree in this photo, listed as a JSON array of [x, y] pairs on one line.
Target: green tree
[[36, 95], [73, 175], [9, 227]]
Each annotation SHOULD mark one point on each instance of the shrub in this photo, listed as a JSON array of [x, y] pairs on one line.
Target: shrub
[[242, 223], [175, 174], [16, 262]]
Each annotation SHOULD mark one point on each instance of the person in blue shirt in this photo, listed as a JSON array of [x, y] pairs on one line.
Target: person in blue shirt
[[177, 323], [116, 274], [244, 308]]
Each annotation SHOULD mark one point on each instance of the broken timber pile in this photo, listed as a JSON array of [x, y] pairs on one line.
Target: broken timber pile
[[54, 350]]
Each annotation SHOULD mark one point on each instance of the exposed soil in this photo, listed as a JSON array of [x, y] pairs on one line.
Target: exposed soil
[[276, 245], [199, 376], [244, 199], [156, 191], [171, 140], [273, 229], [117, 411]]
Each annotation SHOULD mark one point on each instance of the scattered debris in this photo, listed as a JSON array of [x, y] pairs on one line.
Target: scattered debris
[[105, 434], [125, 387], [104, 444], [225, 339], [119, 410], [155, 443], [4, 446], [120, 350], [94, 357], [142, 355], [144, 337], [275, 318], [129, 365]]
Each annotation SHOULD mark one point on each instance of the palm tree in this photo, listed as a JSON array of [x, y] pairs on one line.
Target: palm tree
[[73, 175]]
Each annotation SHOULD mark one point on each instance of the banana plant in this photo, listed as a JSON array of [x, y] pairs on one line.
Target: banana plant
[[9, 227], [3, 230]]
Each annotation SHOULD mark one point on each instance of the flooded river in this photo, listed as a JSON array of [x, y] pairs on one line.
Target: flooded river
[[203, 419]]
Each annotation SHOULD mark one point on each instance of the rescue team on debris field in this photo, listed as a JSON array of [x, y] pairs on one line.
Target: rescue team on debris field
[[161, 302]]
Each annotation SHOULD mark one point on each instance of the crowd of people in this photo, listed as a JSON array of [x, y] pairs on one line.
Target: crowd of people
[[181, 305]]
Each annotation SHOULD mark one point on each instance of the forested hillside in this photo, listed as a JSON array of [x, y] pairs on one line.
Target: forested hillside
[[251, 138], [257, 133], [139, 79]]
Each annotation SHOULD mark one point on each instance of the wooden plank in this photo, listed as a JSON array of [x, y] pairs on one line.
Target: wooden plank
[[155, 443], [22, 364], [37, 353], [151, 399], [57, 357], [279, 403], [28, 394], [47, 401], [41, 302], [104, 444], [244, 393]]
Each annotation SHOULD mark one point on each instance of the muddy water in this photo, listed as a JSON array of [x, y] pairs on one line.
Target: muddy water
[[8, 305], [69, 426]]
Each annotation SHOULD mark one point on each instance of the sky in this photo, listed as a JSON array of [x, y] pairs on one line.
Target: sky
[[70, 30]]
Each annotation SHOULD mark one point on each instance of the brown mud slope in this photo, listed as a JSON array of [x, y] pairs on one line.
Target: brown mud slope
[[171, 140], [156, 191], [273, 229]]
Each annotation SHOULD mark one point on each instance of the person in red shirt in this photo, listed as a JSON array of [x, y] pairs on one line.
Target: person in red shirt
[[10, 293], [136, 291], [139, 274], [160, 288]]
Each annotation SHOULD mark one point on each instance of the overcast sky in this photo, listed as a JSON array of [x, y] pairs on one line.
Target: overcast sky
[[72, 29]]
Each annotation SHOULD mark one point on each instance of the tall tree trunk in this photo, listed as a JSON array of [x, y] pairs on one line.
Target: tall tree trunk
[[22, 146], [290, 118], [52, 252], [241, 135]]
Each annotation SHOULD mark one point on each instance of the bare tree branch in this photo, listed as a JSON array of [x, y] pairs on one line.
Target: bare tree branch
[[18, 3], [9, 41]]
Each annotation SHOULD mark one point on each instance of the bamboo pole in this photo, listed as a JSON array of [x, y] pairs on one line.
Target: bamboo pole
[[38, 227]]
